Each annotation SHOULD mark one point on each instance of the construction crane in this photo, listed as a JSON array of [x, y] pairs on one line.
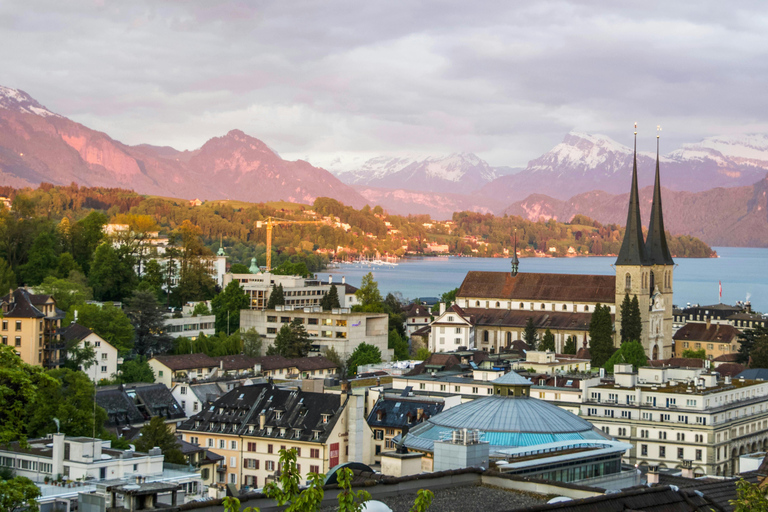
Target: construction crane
[[272, 222]]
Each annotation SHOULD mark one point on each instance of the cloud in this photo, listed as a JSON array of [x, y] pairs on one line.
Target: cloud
[[317, 79]]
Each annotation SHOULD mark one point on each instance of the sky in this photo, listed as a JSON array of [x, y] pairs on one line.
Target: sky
[[336, 82]]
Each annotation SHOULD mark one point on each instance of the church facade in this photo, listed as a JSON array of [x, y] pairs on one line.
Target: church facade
[[497, 305]]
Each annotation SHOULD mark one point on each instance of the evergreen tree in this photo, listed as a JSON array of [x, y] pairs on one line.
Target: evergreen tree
[[112, 276], [108, 321], [157, 434], [276, 297], [135, 370], [631, 352], [626, 318], [292, 341], [548, 341], [399, 345], [601, 336], [635, 325], [148, 323], [252, 343], [368, 294], [747, 341], [330, 300], [570, 345], [530, 336], [363, 354], [7, 277], [227, 305], [43, 259], [66, 265], [153, 277]]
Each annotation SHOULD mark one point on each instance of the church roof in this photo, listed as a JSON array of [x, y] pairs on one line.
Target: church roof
[[512, 378], [632, 250], [536, 286], [656, 249]]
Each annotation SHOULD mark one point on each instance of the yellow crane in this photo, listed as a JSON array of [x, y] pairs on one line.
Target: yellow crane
[[271, 222]]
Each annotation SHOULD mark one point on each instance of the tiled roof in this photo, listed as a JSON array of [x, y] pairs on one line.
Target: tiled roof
[[187, 361], [22, 305], [542, 319], [75, 332], [422, 331], [682, 362], [303, 364], [137, 403], [727, 358], [396, 412], [235, 362], [730, 369], [412, 310], [297, 413], [541, 287], [655, 499], [754, 374], [712, 333], [121, 410]]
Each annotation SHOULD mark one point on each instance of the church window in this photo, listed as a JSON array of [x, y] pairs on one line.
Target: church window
[[586, 308], [553, 307], [477, 303], [522, 306], [652, 281], [565, 307], [542, 305], [498, 305], [485, 336], [628, 281], [509, 337]]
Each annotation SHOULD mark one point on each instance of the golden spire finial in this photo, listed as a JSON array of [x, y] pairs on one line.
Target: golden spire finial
[[658, 130], [635, 127]]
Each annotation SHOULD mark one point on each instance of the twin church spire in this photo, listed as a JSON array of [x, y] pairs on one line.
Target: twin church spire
[[653, 250]]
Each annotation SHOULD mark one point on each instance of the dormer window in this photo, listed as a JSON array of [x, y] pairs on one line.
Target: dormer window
[[379, 415], [316, 435], [278, 415], [282, 432], [325, 418], [269, 431]]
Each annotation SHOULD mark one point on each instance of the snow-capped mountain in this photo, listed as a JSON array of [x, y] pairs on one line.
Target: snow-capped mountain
[[19, 101], [457, 173], [749, 149]]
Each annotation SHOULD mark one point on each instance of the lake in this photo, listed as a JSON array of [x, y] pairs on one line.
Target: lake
[[743, 272]]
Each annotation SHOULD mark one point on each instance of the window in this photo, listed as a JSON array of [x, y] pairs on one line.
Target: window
[[183, 402], [378, 435], [269, 465], [222, 444], [5, 325], [457, 389], [195, 405], [18, 325], [269, 448], [681, 436], [18, 341], [314, 453], [680, 453], [698, 454], [233, 445], [210, 443], [104, 356], [662, 452], [103, 369], [662, 435], [644, 450], [183, 390], [314, 469]]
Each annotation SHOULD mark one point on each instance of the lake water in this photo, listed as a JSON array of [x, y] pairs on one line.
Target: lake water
[[742, 271]]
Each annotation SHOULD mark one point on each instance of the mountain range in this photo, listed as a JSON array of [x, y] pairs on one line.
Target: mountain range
[[714, 189]]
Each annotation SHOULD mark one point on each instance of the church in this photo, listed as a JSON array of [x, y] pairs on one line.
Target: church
[[492, 308]]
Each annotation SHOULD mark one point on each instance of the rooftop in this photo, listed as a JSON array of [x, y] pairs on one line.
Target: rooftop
[[537, 286]]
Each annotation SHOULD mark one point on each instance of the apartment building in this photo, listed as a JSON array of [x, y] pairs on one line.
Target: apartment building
[[105, 361], [251, 424], [182, 367], [715, 339], [30, 325], [298, 291], [740, 315], [339, 329], [392, 414], [678, 416], [190, 326]]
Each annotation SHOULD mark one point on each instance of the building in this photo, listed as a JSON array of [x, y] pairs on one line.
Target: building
[[298, 291], [497, 305], [129, 407], [106, 359], [672, 415], [280, 367], [251, 424], [550, 363], [190, 326], [715, 339], [30, 324], [182, 368], [392, 414], [416, 317], [339, 329], [740, 316]]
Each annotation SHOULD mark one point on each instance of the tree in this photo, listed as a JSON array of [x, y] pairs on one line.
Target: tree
[[570, 345], [292, 341], [330, 354], [112, 276], [330, 300], [399, 345], [695, 354], [85, 236], [422, 354], [79, 357], [747, 340], [600, 336], [108, 321], [276, 297], [626, 318], [201, 309], [71, 401], [548, 341], [153, 277], [66, 265], [749, 498], [43, 258], [239, 268], [631, 352], [195, 283], [19, 495], [7, 277], [758, 357], [368, 293], [65, 292], [227, 305], [529, 333], [634, 325], [158, 434], [134, 370], [363, 354], [252, 343], [148, 323]]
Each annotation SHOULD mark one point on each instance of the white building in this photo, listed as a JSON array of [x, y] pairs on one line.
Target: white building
[[298, 291], [671, 415], [451, 330], [190, 326], [106, 359]]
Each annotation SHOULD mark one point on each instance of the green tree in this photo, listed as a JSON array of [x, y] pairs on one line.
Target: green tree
[[112, 276], [399, 345], [695, 354], [108, 321], [368, 293], [157, 433], [747, 340], [363, 354], [153, 277], [201, 309], [65, 292], [570, 345], [749, 498], [195, 283], [43, 258], [530, 335], [135, 370], [66, 265], [227, 305], [286, 490], [7, 277], [71, 401], [85, 236], [758, 357], [292, 341], [333, 356], [330, 300], [148, 322], [79, 357], [239, 268], [631, 352], [276, 297], [422, 354], [547, 341], [600, 336], [252, 344], [19, 495], [626, 318], [634, 328]]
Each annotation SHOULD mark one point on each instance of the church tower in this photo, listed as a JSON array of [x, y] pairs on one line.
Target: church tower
[[632, 267], [661, 267]]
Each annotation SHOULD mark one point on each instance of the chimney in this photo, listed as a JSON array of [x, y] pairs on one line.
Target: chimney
[[709, 321], [330, 279], [75, 316], [652, 477], [687, 469], [343, 279], [262, 420], [442, 308]]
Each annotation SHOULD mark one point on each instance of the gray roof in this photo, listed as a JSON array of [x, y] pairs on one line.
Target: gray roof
[[512, 378]]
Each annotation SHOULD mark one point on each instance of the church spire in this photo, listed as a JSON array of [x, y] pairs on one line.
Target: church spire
[[656, 244], [632, 250], [515, 261]]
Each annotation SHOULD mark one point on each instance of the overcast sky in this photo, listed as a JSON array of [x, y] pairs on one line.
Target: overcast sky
[[316, 80]]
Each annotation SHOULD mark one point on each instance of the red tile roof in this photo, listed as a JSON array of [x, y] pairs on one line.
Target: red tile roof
[[712, 333], [535, 286], [187, 361]]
